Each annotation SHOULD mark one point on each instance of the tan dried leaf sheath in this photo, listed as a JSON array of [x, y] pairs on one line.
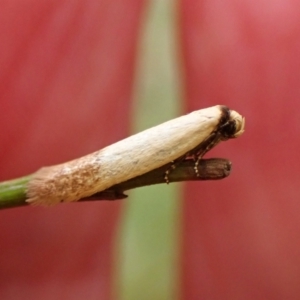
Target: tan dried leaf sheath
[[133, 156]]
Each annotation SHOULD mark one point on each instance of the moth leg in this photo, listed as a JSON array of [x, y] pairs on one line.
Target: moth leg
[[196, 166], [201, 153], [203, 148], [172, 167], [196, 154]]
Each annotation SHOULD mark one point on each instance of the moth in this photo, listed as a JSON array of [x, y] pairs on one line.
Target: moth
[[189, 136]]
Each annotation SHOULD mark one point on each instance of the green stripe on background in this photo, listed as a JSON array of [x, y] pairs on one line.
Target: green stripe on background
[[148, 245]]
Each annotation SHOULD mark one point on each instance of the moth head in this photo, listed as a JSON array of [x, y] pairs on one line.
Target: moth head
[[234, 126], [239, 122]]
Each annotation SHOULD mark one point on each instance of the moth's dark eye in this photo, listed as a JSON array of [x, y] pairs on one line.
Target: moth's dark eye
[[228, 130]]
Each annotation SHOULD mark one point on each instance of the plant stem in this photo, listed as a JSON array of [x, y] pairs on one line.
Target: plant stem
[[13, 192]]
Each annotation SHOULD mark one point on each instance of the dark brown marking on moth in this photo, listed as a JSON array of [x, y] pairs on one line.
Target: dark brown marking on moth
[[227, 127]]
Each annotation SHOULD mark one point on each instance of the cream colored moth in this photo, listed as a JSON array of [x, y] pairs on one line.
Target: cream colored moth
[[189, 135]]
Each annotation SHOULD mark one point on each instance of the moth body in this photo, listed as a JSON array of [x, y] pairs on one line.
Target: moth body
[[133, 156]]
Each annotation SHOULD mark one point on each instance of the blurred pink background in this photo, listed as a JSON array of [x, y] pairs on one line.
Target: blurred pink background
[[67, 70]]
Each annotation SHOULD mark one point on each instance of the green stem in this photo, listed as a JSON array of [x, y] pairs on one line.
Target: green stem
[[13, 192]]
